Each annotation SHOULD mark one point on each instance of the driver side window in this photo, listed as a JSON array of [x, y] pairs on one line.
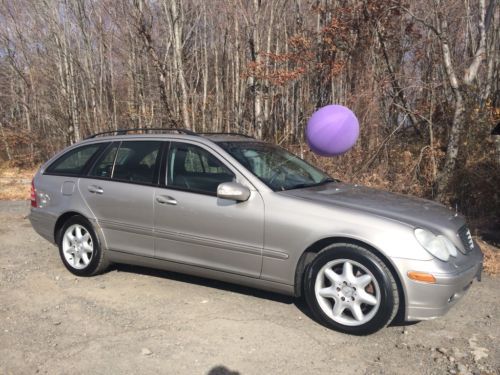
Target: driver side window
[[194, 169]]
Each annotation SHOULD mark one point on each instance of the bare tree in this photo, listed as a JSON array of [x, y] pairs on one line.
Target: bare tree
[[422, 77]]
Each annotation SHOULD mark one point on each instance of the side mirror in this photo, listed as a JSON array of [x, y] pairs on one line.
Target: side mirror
[[233, 191]]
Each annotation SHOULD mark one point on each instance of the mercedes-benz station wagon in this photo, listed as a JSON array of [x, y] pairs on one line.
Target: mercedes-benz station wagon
[[232, 208]]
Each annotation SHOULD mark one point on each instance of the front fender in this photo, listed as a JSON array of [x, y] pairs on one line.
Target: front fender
[[294, 225]]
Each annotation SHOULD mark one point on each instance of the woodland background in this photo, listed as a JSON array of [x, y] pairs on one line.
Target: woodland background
[[422, 77]]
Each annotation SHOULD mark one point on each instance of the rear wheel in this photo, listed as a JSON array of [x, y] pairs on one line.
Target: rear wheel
[[79, 248], [351, 290]]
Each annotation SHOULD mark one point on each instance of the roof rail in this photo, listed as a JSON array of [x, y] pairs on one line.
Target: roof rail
[[224, 133], [125, 131]]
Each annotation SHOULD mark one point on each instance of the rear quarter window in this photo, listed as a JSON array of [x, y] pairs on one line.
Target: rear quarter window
[[74, 161]]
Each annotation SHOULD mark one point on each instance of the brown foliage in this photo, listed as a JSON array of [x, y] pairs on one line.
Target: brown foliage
[[491, 257], [15, 183]]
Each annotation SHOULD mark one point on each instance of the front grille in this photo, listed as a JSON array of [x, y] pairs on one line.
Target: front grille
[[466, 239]]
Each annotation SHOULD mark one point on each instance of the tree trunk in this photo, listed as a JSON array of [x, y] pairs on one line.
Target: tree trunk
[[257, 85], [6, 144], [205, 73], [176, 18], [459, 110], [144, 31]]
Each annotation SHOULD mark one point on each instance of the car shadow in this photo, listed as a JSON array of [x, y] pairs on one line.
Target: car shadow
[[209, 283], [398, 322], [299, 302]]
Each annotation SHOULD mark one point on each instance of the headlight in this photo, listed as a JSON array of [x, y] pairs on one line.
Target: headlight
[[439, 246], [449, 246]]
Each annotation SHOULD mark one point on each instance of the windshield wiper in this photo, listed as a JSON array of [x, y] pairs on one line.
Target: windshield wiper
[[326, 180]]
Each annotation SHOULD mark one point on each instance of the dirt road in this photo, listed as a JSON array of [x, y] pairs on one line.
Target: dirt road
[[133, 320]]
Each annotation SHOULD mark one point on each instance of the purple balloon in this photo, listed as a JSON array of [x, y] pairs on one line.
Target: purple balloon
[[332, 130]]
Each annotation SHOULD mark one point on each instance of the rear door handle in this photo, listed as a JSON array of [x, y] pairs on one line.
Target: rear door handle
[[96, 189], [162, 199]]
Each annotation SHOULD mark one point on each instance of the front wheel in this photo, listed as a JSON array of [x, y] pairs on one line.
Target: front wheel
[[351, 290]]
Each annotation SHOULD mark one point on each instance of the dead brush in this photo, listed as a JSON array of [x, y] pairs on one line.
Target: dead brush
[[15, 182], [491, 258]]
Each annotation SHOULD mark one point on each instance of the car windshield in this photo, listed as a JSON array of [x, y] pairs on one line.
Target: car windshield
[[276, 167]]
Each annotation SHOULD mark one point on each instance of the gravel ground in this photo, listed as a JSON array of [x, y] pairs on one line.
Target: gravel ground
[[135, 320]]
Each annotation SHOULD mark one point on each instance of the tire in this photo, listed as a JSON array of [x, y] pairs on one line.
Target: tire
[[79, 248], [358, 283]]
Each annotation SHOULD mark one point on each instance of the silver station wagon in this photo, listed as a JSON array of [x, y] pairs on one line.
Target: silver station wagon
[[232, 208]]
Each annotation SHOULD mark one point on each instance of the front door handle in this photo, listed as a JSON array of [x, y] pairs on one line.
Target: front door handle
[[96, 189], [162, 199]]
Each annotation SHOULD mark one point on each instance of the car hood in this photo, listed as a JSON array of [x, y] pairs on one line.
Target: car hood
[[407, 209]]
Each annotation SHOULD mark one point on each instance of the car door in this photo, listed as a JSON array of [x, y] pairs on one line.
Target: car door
[[194, 227], [120, 189]]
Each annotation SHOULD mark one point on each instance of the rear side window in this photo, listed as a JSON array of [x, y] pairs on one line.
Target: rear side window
[[136, 161], [73, 162], [104, 166], [194, 169]]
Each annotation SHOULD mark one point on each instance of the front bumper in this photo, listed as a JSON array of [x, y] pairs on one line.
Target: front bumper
[[426, 301]]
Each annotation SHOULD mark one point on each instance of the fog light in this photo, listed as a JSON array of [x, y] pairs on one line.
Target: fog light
[[422, 276]]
